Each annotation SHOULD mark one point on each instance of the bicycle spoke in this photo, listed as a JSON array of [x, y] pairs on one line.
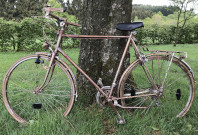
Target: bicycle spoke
[[148, 108], [174, 98], [19, 87], [54, 95], [159, 72], [25, 77], [174, 81], [21, 102]]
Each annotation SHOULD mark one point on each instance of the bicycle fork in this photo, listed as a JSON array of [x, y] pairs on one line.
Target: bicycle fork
[[51, 67], [48, 76]]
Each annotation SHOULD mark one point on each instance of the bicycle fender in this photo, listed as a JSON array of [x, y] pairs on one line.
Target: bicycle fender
[[73, 77], [182, 61], [190, 69]]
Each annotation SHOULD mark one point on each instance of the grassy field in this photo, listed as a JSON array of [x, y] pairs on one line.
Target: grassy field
[[94, 120]]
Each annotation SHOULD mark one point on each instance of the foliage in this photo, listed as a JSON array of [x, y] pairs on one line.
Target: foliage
[[160, 29], [183, 16], [18, 9], [144, 11], [75, 8], [7, 28], [28, 35], [70, 18]]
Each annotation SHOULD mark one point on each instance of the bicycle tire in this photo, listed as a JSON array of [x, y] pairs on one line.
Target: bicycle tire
[[178, 91], [24, 76]]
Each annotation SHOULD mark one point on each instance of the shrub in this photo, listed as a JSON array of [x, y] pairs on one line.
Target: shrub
[[28, 35]]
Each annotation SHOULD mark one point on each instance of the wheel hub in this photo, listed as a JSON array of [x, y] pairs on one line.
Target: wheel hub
[[158, 92]]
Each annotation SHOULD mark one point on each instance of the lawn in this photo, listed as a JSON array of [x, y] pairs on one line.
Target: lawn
[[95, 120]]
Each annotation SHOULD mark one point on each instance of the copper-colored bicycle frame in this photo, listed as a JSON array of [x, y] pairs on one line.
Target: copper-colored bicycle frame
[[109, 97]]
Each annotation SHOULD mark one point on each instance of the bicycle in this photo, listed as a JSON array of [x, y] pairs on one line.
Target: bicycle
[[42, 84]]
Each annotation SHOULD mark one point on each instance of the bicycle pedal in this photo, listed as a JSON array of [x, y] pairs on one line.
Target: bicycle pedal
[[37, 106], [120, 120], [178, 94]]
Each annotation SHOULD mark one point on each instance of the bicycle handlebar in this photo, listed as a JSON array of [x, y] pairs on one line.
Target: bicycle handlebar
[[48, 9]]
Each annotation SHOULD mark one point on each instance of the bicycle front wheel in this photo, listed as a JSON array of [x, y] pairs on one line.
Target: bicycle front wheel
[[172, 95], [55, 99]]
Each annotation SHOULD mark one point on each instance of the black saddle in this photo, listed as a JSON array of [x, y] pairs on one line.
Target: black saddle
[[129, 26]]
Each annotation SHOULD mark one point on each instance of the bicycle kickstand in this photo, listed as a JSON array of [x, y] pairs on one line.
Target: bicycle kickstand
[[120, 119]]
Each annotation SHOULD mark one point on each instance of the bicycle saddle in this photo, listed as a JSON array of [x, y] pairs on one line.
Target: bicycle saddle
[[129, 26]]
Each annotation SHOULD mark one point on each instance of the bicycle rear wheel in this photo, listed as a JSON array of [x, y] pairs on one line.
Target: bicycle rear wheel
[[24, 77], [174, 99]]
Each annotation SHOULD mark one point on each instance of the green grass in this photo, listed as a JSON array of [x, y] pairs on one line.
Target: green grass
[[95, 120]]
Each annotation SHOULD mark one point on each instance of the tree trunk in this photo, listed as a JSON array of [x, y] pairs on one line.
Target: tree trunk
[[100, 58]]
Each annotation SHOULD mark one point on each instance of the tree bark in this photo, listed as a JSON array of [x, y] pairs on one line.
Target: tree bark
[[100, 58]]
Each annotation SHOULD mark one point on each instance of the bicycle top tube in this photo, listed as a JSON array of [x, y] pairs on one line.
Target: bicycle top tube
[[94, 36]]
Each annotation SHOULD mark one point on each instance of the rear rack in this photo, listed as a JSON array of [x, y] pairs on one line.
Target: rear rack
[[182, 55]]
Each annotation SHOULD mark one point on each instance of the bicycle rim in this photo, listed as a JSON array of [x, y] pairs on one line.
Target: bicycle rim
[[55, 100], [177, 93]]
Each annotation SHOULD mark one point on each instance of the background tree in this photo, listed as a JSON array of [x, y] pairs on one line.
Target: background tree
[[74, 8], [185, 13], [18, 9], [144, 11], [100, 58]]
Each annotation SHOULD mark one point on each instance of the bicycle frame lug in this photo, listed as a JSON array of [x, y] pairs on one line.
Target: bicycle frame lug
[[36, 92], [109, 100], [143, 58], [113, 85], [116, 103]]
